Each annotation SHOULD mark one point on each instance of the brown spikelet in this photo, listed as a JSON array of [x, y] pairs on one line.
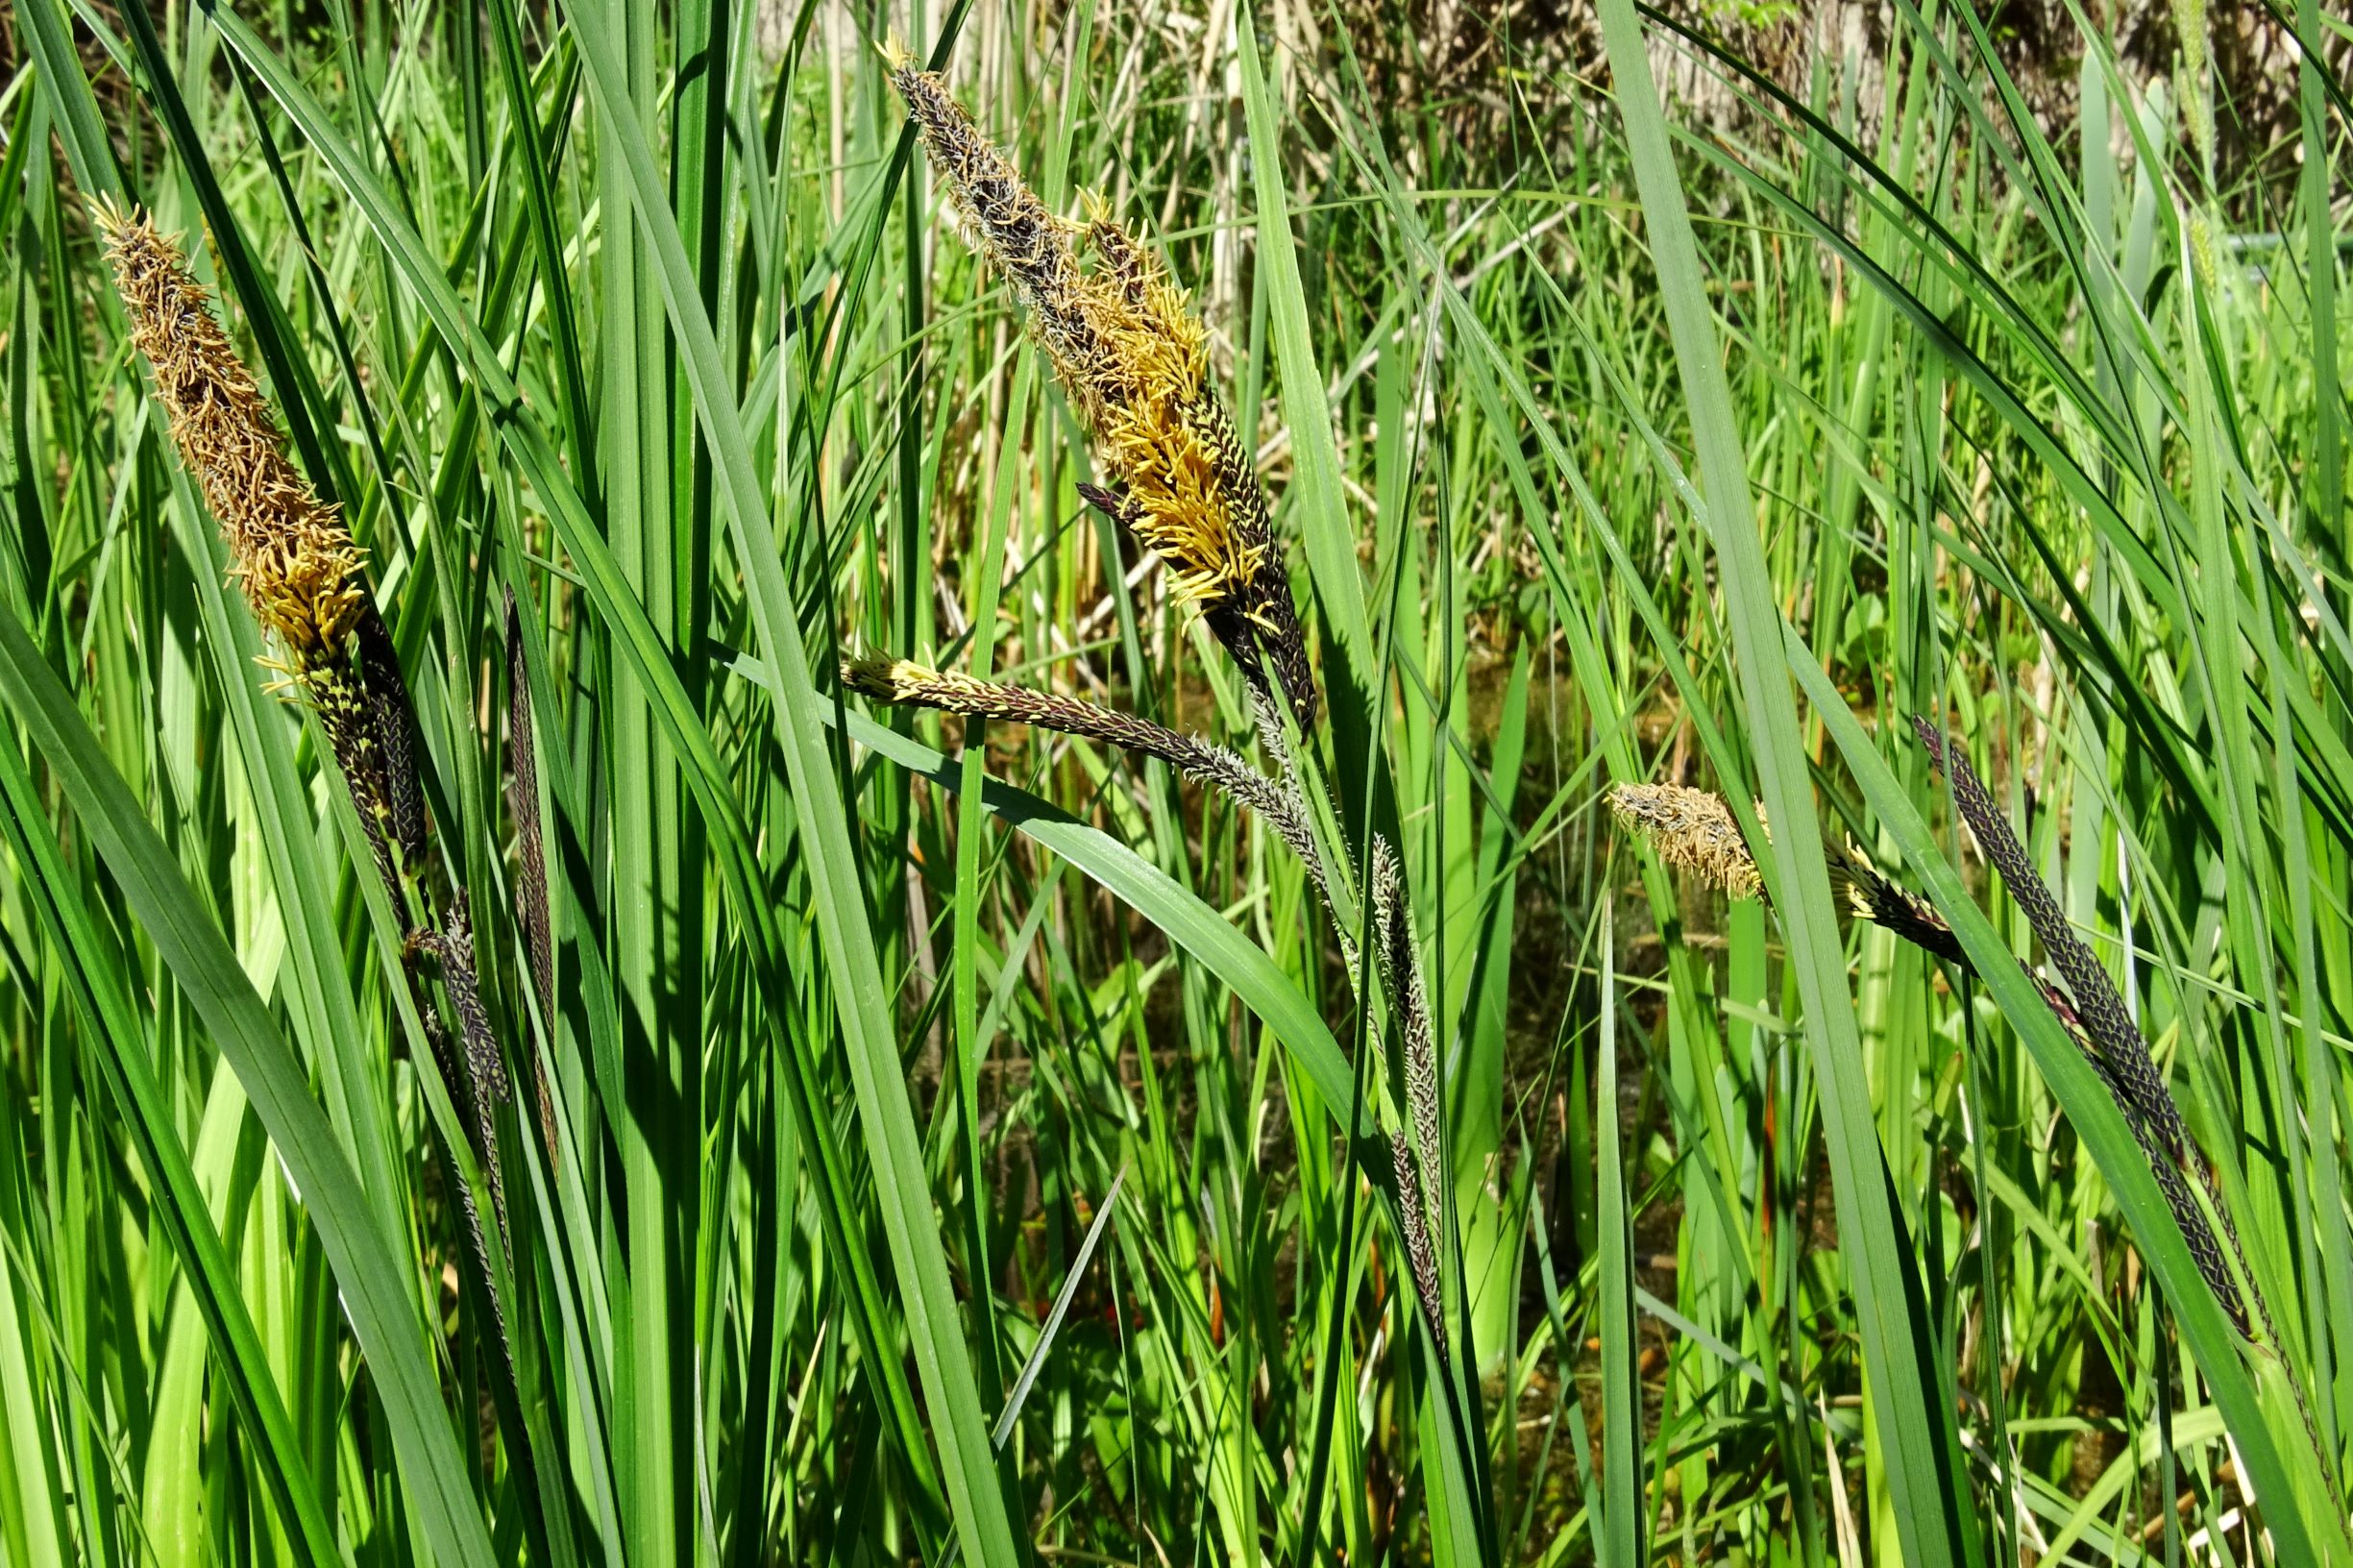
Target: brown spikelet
[[464, 1077], [531, 884], [2105, 1018], [390, 714], [1401, 970], [1692, 829], [295, 559], [2097, 1022], [485, 1081]]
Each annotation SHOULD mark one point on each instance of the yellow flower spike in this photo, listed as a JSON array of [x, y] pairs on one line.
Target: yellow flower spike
[[1135, 360], [296, 562], [1692, 829]]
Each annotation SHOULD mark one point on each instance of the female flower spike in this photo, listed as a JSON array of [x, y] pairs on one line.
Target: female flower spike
[[909, 684], [1134, 363]]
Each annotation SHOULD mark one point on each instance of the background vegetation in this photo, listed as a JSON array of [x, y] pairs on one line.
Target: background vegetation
[[1767, 1241]]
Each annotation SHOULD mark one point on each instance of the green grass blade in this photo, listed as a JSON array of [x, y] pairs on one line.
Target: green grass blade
[[1928, 1494], [1028, 1377], [383, 1313], [942, 1358], [106, 1012], [1619, 1534]]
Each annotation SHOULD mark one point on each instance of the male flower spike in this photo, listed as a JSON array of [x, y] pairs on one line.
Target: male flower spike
[[296, 561], [1135, 361]]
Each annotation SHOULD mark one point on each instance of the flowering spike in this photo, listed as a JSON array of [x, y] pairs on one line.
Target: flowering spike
[[1693, 829], [909, 684], [1135, 360], [295, 560]]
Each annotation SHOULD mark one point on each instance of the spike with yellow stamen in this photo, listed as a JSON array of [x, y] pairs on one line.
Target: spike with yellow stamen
[[302, 574], [297, 564], [1692, 829], [296, 561], [1135, 360]]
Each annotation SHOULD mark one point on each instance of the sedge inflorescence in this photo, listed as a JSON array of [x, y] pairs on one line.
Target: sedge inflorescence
[[1134, 358], [297, 563], [1694, 829], [303, 576], [908, 685], [295, 559]]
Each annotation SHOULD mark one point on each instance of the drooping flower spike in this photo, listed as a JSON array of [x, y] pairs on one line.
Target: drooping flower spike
[[1694, 829], [2103, 1030], [909, 684], [303, 576], [1134, 360]]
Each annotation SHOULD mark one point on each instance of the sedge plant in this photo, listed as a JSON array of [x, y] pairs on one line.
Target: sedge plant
[[449, 605]]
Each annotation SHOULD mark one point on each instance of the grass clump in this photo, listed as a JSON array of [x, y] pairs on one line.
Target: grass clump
[[500, 598]]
